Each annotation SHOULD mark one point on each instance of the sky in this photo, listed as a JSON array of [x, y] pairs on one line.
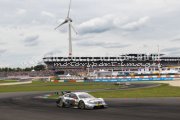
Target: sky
[[105, 28]]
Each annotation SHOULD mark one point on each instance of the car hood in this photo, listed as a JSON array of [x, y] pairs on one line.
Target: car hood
[[92, 99]]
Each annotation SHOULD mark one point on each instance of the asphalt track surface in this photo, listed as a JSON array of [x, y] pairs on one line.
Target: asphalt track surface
[[25, 106]]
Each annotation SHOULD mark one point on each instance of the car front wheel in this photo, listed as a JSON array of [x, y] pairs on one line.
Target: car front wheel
[[81, 105]]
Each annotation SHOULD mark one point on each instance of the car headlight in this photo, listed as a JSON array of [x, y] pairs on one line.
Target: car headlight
[[90, 102], [103, 102]]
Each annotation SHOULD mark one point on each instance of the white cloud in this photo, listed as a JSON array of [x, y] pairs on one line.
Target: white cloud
[[2, 51], [102, 44], [116, 45], [45, 13], [110, 22], [136, 24], [176, 40], [21, 11], [174, 49], [171, 51], [101, 24], [104, 25], [55, 52], [31, 40]]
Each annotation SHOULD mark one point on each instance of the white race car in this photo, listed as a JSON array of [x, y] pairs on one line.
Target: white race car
[[80, 100]]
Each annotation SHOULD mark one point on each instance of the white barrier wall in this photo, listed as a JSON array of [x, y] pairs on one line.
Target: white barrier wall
[[120, 79]]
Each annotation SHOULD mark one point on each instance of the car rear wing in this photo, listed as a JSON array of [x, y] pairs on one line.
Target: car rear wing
[[65, 92]]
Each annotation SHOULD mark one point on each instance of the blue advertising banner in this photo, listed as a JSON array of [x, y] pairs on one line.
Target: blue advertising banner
[[132, 79]]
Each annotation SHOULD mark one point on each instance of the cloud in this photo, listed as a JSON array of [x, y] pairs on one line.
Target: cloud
[[89, 44], [82, 37], [115, 20], [45, 13], [172, 49], [2, 51], [99, 24], [52, 53], [176, 40], [3, 43], [110, 22], [136, 24], [31, 40], [21, 11], [103, 44], [115, 45]]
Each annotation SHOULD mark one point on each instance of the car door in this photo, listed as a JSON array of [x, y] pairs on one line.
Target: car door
[[67, 99], [73, 99]]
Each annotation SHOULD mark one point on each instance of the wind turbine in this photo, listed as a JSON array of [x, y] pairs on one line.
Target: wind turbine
[[70, 26]]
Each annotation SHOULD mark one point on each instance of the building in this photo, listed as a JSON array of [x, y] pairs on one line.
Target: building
[[75, 65]]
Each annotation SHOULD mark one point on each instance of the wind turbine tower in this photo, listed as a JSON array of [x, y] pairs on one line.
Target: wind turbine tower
[[68, 20]]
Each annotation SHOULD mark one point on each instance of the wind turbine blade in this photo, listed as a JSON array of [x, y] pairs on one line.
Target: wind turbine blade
[[61, 24], [69, 9], [73, 28]]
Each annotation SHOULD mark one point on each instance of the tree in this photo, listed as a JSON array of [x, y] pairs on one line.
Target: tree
[[39, 67], [18, 69]]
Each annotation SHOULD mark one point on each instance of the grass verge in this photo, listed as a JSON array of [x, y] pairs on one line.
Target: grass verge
[[8, 81], [162, 91], [49, 86]]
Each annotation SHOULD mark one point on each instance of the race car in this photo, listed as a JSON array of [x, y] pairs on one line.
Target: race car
[[81, 100]]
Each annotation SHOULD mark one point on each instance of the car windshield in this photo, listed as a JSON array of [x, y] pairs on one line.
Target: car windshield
[[85, 96]]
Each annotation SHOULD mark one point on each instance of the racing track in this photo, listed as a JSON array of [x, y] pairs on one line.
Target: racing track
[[24, 106]]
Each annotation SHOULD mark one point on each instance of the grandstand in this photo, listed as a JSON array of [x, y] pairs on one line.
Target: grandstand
[[128, 61]]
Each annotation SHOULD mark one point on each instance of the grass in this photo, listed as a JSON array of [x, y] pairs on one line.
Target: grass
[[162, 91], [7, 81], [49, 86]]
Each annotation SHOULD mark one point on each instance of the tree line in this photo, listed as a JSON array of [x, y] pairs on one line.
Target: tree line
[[18, 69]]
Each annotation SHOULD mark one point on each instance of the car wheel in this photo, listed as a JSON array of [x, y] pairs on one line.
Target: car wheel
[[81, 105], [61, 103]]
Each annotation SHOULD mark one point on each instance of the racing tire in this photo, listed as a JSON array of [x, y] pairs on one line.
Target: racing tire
[[81, 105], [61, 104]]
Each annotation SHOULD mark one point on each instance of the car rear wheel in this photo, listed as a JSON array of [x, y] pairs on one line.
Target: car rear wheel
[[81, 105], [61, 103]]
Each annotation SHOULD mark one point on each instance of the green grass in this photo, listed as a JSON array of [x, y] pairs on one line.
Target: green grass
[[7, 81], [49, 86], [162, 91]]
